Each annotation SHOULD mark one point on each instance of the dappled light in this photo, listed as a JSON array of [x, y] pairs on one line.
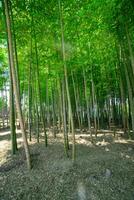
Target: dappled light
[[96, 166], [66, 100], [5, 145], [98, 161]]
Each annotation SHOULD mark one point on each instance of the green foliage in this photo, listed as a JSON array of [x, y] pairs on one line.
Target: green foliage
[[91, 31]]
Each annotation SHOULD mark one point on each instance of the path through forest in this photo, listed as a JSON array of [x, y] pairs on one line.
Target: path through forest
[[103, 170]]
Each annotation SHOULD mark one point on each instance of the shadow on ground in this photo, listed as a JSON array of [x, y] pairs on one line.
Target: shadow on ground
[[5, 134], [103, 170]]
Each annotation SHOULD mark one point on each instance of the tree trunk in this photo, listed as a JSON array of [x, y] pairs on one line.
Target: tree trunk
[[15, 88], [12, 117], [130, 49], [87, 103], [66, 82], [94, 107], [76, 101]]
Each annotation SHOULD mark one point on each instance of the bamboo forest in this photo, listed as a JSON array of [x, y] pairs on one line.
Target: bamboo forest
[[66, 100]]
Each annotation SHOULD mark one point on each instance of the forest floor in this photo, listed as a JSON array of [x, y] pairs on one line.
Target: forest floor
[[103, 170]]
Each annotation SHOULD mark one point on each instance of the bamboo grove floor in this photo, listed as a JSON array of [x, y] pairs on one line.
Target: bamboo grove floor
[[104, 170]]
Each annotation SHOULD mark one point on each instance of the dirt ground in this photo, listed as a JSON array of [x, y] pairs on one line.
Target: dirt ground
[[103, 170]]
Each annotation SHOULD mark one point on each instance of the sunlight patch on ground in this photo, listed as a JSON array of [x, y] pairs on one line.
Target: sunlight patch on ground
[[5, 146], [83, 141], [102, 143], [4, 133], [120, 140]]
